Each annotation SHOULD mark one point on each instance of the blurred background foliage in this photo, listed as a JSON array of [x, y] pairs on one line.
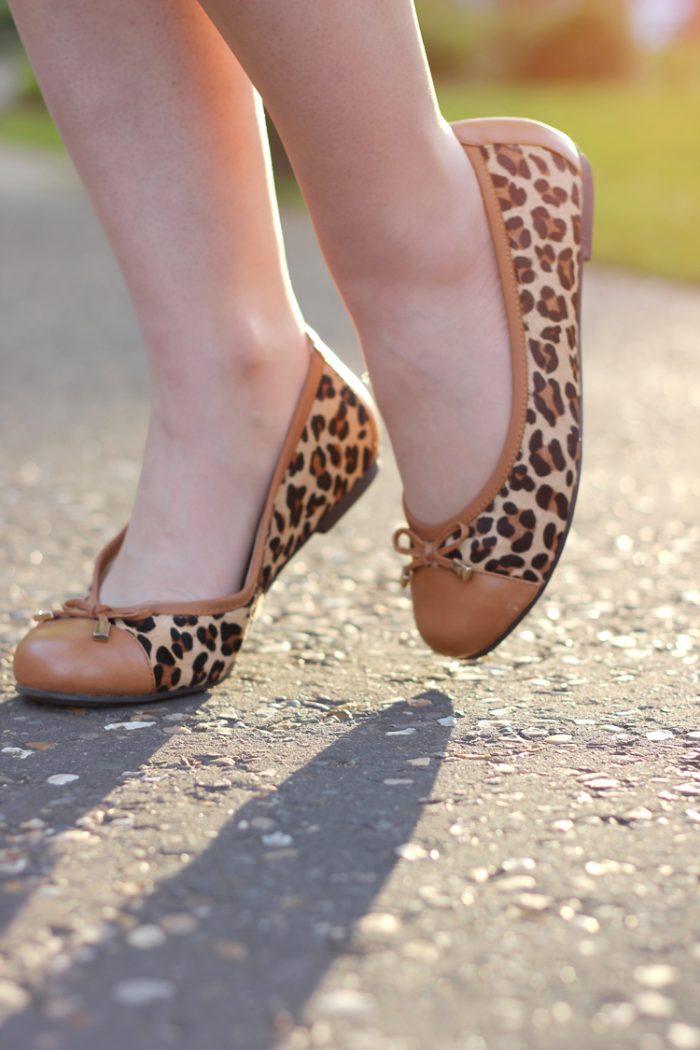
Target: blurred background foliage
[[533, 40], [622, 77]]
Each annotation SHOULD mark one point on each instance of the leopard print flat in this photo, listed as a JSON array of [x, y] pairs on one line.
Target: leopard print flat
[[90, 653], [475, 576]]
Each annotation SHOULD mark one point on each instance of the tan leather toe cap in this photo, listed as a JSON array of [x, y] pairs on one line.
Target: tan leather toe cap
[[61, 656], [464, 618]]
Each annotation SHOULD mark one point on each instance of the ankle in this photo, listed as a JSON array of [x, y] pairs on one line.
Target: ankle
[[433, 250], [257, 366]]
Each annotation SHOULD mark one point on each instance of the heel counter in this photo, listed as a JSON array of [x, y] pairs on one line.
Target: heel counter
[[333, 458], [492, 131]]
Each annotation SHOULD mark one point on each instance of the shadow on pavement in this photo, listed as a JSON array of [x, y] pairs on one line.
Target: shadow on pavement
[[272, 916], [100, 763]]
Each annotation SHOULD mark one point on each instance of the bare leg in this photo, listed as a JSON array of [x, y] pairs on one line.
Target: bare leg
[[400, 220], [165, 130]]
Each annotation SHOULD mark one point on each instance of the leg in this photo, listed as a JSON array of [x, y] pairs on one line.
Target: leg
[[167, 134], [400, 220]]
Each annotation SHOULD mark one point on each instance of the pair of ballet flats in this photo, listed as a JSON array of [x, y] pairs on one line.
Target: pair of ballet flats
[[473, 577]]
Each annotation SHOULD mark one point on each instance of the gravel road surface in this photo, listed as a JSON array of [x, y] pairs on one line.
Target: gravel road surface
[[354, 844]]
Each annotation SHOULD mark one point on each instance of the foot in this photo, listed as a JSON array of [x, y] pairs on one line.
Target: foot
[[435, 336], [212, 445]]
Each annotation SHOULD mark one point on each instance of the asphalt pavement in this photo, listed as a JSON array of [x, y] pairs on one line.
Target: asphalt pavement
[[354, 844]]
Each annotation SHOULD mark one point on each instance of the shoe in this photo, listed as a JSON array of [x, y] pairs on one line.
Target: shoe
[[89, 653], [475, 576]]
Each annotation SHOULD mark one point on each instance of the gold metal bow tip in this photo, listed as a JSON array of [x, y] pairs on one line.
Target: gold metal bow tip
[[82, 609], [432, 553], [101, 629], [463, 571]]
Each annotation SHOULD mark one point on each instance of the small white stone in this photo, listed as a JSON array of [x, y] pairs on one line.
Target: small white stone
[[622, 641], [660, 734], [12, 996], [653, 1004], [515, 882], [129, 725], [656, 975], [410, 851], [277, 839], [378, 924], [513, 864], [396, 781], [602, 783], [420, 763], [62, 778], [563, 825], [345, 1003], [448, 721], [148, 936], [479, 875], [17, 752], [587, 923], [535, 901], [401, 732], [684, 1036], [139, 991], [639, 813], [602, 867], [559, 738]]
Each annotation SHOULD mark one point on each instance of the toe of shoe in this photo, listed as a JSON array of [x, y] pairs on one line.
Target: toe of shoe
[[62, 657], [465, 618]]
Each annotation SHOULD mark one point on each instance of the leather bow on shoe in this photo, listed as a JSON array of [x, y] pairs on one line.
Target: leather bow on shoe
[[84, 609], [425, 553]]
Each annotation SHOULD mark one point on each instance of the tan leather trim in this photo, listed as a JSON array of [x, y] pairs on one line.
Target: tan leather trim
[[102, 562], [61, 656], [518, 360], [516, 131], [463, 618], [244, 596]]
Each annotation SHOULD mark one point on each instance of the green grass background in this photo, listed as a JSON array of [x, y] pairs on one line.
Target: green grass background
[[29, 126]]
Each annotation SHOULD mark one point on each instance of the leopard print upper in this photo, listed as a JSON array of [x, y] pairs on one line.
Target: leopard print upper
[[190, 651], [338, 445], [520, 532]]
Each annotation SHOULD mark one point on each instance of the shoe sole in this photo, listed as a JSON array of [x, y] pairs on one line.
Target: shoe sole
[[586, 253], [330, 518]]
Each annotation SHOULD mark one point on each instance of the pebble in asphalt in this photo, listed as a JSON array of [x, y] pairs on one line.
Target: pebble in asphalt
[[354, 844]]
